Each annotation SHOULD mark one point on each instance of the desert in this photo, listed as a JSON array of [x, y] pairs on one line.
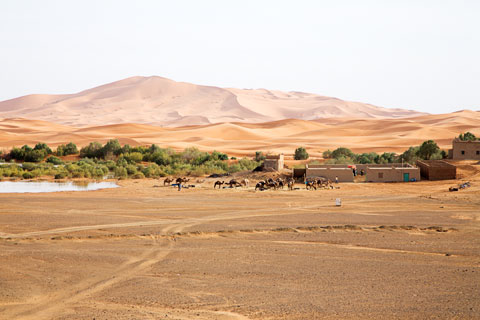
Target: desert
[[243, 139], [145, 251], [192, 225], [239, 160]]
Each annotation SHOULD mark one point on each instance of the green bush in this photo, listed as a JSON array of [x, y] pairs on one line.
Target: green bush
[[93, 150], [153, 171], [65, 150], [19, 153], [35, 155], [219, 156], [28, 166], [428, 149], [327, 154], [120, 173], [111, 165], [131, 169], [44, 147], [28, 154], [259, 156], [247, 164], [111, 148], [121, 162], [61, 175], [54, 160], [301, 154], [342, 152], [138, 175], [467, 136], [27, 175], [133, 157]]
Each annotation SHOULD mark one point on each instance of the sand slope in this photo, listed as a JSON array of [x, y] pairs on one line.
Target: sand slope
[[237, 138], [160, 101]]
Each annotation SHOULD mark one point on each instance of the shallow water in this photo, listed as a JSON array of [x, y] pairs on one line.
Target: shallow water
[[39, 187]]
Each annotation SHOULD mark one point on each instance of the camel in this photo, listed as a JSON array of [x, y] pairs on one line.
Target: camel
[[182, 180], [260, 185], [271, 184], [245, 183], [234, 183], [219, 184], [280, 183], [290, 184], [309, 185], [167, 181], [329, 184]]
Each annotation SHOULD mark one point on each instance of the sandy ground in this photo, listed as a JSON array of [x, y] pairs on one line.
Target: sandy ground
[[144, 251]]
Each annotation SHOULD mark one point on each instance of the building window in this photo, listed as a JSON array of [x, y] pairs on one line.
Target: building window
[[463, 152], [478, 152], [380, 175]]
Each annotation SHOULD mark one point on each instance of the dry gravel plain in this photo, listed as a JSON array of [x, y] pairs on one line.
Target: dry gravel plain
[[144, 251]]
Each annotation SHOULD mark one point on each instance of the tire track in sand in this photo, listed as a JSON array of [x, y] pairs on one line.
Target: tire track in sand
[[52, 305], [180, 223]]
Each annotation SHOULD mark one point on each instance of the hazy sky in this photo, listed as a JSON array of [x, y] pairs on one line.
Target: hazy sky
[[422, 55]]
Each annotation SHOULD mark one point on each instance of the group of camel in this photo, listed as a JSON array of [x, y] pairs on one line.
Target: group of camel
[[232, 183], [278, 183], [319, 183], [267, 184], [180, 180]]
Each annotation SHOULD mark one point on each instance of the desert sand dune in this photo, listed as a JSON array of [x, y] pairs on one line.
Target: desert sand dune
[[361, 135], [164, 102]]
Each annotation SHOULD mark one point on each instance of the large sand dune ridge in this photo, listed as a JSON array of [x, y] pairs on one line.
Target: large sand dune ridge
[[164, 102]]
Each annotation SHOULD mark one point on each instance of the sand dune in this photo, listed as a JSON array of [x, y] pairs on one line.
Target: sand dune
[[164, 102], [393, 135]]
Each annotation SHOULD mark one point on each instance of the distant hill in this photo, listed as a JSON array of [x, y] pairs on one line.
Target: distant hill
[[163, 102]]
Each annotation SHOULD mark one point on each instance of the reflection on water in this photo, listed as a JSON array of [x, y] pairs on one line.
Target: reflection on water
[[37, 187]]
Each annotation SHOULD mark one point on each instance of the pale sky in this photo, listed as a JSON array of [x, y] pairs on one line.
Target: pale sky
[[422, 55]]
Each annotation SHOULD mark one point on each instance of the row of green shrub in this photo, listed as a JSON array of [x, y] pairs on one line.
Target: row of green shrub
[[161, 156], [428, 150], [40, 151], [119, 161]]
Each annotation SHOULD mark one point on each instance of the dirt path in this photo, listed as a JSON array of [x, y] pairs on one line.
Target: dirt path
[[176, 224]]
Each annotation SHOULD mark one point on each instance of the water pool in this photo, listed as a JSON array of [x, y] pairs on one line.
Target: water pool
[[44, 186]]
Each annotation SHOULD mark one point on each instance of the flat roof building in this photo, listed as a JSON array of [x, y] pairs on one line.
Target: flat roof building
[[464, 150], [437, 170], [391, 172], [387, 173], [330, 172], [276, 162]]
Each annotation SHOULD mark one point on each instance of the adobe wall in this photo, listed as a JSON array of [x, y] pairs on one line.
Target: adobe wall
[[465, 150], [276, 162], [391, 174], [319, 166], [383, 165], [343, 174], [437, 170]]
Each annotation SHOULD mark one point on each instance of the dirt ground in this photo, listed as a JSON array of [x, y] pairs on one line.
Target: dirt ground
[[144, 251]]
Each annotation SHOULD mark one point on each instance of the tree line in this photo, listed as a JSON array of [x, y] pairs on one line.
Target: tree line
[[428, 150], [97, 160]]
